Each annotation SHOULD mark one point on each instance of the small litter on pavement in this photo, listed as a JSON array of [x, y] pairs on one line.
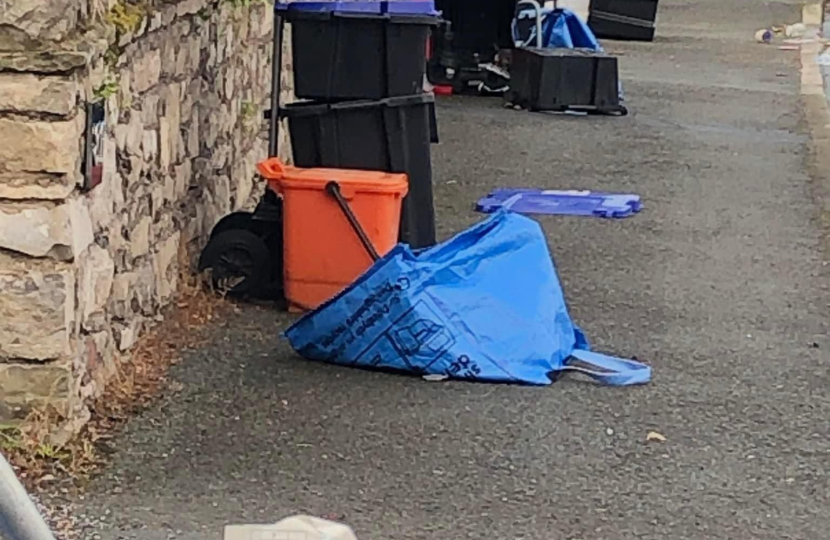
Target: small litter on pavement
[[796, 34], [823, 59], [296, 527], [764, 35], [485, 305], [655, 436], [555, 202]]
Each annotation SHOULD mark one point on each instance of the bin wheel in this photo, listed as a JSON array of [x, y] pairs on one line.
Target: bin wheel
[[237, 220], [239, 261]]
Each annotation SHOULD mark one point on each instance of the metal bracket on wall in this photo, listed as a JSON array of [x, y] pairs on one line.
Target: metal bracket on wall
[[93, 162]]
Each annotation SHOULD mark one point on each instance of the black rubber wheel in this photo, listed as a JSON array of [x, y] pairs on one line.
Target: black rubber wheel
[[237, 220], [240, 262]]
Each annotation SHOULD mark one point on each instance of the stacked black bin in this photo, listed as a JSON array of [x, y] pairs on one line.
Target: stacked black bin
[[631, 20], [360, 67]]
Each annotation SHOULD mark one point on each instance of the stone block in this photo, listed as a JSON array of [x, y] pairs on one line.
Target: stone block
[[169, 187], [182, 61], [156, 199], [194, 55], [127, 334], [181, 149], [40, 19], [81, 222], [243, 27], [108, 197], [121, 130], [25, 92], [140, 237], [266, 21], [139, 195], [192, 135], [168, 15], [155, 21], [244, 185], [41, 146], [37, 305], [165, 267], [60, 232], [130, 135], [96, 274], [221, 191], [189, 7], [100, 360], [168, 142], [16, 40], [120, 295], [136, 169], [23, 185], [125, 90], [229, 39], [133, 292], [170, 129], [149, 145], [143, 291], [46, 62], [230, 80], [182, 179], [221, 155], [168, 56], [27, 386], [150, 108], [146, 71]]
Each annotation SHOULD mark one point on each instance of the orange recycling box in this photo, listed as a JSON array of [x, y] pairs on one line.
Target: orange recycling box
[[322, 252]]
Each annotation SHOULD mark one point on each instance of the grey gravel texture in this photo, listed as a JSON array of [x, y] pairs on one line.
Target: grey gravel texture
[[719, 284]]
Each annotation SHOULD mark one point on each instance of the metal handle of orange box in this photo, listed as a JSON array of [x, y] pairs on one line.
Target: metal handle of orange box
[[333, 189]]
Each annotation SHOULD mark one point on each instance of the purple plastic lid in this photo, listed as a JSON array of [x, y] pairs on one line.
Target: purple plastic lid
[[325, 7], [567, 203], [410, 7], [392, 7]]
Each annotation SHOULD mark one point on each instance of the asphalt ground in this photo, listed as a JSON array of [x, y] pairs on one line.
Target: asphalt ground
[[719, 284]]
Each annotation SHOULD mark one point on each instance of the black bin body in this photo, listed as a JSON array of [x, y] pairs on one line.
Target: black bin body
[[480, 27], [342, 56], [631, 20], [562, 79], [391, 135]]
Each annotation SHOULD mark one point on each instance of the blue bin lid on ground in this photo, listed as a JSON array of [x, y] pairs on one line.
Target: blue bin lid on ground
[[563, 203], [392, 7]]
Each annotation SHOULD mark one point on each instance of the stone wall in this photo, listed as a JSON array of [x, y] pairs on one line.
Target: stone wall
[[83, 273]]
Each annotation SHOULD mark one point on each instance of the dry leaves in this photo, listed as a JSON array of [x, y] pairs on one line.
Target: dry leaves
[[32, 448]]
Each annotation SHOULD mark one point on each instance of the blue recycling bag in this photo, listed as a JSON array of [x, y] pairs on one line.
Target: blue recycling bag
[[561, 28], [485, 305]]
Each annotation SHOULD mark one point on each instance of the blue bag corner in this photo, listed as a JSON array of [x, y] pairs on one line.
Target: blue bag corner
[[485, 305]]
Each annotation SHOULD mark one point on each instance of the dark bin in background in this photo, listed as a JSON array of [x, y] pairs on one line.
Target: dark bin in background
[[392, 135], [631, 20], [358, 50], [480, 27], [562, 79]]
